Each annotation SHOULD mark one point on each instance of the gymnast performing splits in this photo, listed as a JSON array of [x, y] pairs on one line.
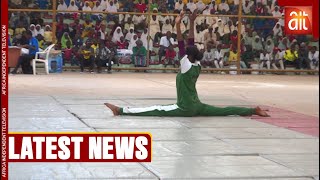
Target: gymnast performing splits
[[188, 103]]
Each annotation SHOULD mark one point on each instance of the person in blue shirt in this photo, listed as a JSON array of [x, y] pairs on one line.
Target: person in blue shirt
[[42, 4], [25, 59]]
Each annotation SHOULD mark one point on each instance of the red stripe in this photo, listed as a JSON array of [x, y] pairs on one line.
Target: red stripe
[[4, 89], [291, 120]]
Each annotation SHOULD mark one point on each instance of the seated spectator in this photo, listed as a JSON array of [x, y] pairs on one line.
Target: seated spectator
[[165, 42], [200, 5], [259, 9], [233, 55], [19, 29], [213, 8], [277, 58], [80, 4], [117, 34], [147, 43], [129, 23], [41, 42], [73, 7], [269, 45], [210, 38], [303, 54], [191, 6], [104, 57], [170, 56], [133, 41], [257, 46], [69, 56], [199, 38], [32, 28], [223, 7], [276, 12], [179, 5], [291, 57], [122, 44], [284, 44], [208, 57], [25, 59], [167, 27], [138, 19], [97, 8], [265, 59], [234, 37], [62, 7], [155, 31], [48, 34], [42, 4], [314, 58], [228, 29], [111, 9], [104, 4], [128, 6], [170, 5], [38, 30], [87, 55], [247, 7], [247, 56], [129, 34], [277, 30], [65, 38], [86, 8], [139, 54], [219, 57], [142, 7], [154, 4]]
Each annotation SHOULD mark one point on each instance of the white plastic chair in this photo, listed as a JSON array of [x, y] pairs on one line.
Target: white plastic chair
[[46, 53]]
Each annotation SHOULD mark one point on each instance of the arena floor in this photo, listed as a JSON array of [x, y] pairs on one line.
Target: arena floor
[[285, 146]]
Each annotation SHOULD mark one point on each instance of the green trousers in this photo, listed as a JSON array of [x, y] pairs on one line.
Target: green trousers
[[197, 110]]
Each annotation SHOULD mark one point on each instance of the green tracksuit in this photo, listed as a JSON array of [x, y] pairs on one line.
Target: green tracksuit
[[188, 104]]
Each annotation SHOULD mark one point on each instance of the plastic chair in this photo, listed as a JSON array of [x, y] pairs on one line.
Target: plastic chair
[[46, 52]]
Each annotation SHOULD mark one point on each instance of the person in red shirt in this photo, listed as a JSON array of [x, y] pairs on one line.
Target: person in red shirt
[[122, 44], [234, 37], [170, 56], [141, 6]]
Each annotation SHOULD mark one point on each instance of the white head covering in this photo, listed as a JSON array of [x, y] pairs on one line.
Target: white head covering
[[34, 30], [73, 7], [62, 7], [129, 34], [48, 27], [133, 42], [40, 31], [116, 35]]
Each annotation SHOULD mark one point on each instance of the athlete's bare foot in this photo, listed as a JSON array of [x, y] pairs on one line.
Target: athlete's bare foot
[[113, 108], [261, 112]]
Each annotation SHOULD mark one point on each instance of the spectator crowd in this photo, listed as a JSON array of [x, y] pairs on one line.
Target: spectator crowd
[[92, 32]]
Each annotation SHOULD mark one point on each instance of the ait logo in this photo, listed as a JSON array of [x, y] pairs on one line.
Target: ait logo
[[301, 17], [298, 20]]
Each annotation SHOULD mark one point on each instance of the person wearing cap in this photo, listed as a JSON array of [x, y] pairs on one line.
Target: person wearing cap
[[87, 55], [188, 103]]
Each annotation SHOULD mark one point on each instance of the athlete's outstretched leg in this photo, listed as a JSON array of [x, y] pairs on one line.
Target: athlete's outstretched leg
[[207, 110], [160, 111]]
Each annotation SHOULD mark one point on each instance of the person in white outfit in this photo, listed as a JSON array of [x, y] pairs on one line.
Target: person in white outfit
[[314, 58], [218, 57], [264, 59], [277, 58]]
